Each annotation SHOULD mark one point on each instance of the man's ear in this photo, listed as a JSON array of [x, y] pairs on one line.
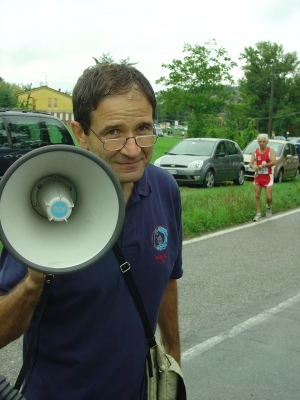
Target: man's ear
[[79, 134]]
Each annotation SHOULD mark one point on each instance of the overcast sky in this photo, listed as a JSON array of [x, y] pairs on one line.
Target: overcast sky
[[52, 42]]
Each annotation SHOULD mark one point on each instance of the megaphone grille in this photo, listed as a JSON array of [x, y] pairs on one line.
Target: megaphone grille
[[93, 227]]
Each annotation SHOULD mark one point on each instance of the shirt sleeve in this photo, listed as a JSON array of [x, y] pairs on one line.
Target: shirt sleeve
[[11, 272], [177, 269]]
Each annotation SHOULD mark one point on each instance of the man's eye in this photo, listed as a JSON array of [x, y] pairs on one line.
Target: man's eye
[[112, 132], [143, 129]]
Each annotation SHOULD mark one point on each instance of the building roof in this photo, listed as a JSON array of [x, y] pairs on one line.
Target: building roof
[[44, 87]]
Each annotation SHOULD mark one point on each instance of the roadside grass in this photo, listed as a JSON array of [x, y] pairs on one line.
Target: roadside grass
[[207, 210]]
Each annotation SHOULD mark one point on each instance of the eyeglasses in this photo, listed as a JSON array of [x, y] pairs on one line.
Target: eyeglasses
[[118, 144]]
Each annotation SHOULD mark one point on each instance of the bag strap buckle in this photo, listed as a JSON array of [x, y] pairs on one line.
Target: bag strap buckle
[[125, 267]]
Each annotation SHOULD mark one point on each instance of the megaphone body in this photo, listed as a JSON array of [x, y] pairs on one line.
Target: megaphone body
[[61, 209]]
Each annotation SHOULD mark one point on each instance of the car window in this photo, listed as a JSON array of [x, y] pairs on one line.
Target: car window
[[277, 147], [293, 150], [3, 134], [35, 132], [251, 146], [221, 148], [231, 148], [193, 147], [287, 150]]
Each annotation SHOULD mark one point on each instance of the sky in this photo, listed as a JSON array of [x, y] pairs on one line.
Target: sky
[[52, 42]]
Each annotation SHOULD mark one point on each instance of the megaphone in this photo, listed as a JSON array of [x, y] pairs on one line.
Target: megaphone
[[61, 209]]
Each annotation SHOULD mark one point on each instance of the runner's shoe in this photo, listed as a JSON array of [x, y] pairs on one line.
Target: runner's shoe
[[257, 217], [268, 212]]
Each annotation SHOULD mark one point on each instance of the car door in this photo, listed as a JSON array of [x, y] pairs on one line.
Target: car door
[[235, 158], [221, 162], [291, 157]]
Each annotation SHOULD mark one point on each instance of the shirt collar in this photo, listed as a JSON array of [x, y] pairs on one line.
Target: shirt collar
[[141, 188]]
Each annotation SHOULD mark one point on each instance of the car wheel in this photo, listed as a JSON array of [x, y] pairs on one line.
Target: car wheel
[[296, 177], [241, 177], [279, 178], [209, 180]]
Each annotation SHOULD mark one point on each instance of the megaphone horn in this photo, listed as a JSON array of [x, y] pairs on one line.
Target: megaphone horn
[[61, 209]]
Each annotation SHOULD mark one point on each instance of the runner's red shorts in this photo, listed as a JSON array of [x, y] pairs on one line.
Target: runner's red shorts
[[263, 180]]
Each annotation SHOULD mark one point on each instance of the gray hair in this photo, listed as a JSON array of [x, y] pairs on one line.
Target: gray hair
[[263, 136]]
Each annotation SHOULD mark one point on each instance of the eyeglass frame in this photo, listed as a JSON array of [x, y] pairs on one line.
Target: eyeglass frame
[[125, 140]]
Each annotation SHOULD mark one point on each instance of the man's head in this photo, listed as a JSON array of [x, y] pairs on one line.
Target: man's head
[[103, 80], [114, 107], [262, 137]]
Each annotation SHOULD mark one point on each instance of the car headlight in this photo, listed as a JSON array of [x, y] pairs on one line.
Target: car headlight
[[196, 164], [157, 162]]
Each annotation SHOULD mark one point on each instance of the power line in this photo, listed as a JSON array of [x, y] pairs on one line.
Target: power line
[[278, 116]]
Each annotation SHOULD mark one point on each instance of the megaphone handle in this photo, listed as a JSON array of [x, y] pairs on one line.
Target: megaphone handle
[[39, 312]]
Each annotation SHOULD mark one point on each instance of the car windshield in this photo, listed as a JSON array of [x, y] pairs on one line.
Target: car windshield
[[254, 145], [193, 148], [36, 132]]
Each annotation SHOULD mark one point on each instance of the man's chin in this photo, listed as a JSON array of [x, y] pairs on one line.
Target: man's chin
[[130, 177]]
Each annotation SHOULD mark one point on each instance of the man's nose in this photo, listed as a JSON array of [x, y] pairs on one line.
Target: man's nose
[[131, 148]]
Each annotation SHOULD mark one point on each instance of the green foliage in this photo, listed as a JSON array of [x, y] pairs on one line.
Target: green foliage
[[108, 59], [197, 86], [261, 62], [8, 93]]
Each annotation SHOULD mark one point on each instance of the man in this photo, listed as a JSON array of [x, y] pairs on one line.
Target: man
[[91, 339], [263, 160]]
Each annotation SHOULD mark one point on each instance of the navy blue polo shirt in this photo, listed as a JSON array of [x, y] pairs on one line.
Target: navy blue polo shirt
[[91, 340]]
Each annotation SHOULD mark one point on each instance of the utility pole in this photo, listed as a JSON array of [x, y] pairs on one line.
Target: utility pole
[[271, 103]]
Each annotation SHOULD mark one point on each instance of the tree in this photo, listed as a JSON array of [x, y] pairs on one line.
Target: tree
[[261, 62], [8, 91], [197, 86], [108, 59]]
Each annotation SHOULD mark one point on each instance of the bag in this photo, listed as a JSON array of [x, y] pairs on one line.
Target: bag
[[165, 380]]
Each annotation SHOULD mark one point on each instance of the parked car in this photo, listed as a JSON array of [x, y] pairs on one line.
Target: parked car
[[279, 138], [159, 132], [294, 139], [287, 162], [23, 131], [204, 161]]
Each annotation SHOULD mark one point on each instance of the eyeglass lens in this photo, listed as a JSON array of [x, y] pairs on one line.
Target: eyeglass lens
[[141, 141]]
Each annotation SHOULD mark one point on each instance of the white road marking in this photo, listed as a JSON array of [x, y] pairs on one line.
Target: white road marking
[[236, 330], [237, 228]]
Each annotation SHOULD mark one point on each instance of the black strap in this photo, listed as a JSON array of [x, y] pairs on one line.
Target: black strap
[[125, 269], [38, 315]]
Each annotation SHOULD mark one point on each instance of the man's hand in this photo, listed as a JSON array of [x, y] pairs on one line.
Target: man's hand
[[35, 279]]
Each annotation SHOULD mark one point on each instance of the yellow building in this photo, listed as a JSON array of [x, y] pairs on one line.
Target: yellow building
[[48, 100]]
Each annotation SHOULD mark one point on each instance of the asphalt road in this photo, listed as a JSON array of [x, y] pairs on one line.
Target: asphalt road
[[239, 313]]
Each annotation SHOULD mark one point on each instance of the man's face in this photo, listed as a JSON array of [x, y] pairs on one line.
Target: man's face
[[262, 142], [123, 116]]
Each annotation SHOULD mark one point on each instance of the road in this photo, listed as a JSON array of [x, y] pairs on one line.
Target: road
[[239, 313]]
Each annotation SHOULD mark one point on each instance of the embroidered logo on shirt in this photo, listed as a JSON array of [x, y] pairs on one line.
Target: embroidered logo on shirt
[[160, 238]]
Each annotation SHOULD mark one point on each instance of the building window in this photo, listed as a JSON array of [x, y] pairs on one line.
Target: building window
[[67, 116], [61, 116], [55, 103], [49, 102]]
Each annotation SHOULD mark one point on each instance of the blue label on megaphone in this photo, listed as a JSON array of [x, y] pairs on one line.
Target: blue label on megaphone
[[59, 209]]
